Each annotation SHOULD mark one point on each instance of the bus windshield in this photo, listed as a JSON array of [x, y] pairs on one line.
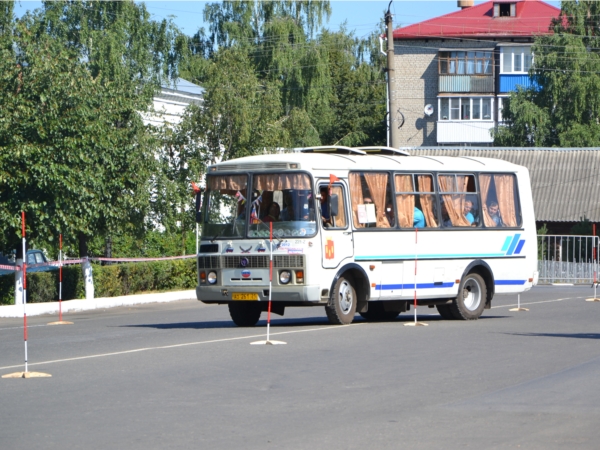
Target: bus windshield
[[287, 201], [225, 206]]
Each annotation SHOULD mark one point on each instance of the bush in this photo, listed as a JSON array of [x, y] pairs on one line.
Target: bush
[[109, 281]]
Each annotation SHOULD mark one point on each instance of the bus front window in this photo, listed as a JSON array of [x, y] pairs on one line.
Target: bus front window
[[285, 200], [225, 206]]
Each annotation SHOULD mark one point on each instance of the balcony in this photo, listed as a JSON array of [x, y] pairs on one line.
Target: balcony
[[464, 131], [482, 84], [509, 83]]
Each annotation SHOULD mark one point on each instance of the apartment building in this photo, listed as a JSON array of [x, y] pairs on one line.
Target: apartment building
[[452, 73]]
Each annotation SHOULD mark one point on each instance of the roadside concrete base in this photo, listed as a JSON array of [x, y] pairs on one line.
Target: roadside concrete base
[[36, 309]]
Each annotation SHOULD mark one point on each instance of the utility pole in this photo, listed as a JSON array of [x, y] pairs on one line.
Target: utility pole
[[392, 107]]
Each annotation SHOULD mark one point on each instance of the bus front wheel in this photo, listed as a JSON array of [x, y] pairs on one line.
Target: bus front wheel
[[245, 314], [470, 301], [342, 305]]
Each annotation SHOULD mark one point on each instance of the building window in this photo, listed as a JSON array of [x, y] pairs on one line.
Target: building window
[[465, 108], [505, 9], [515, 59], [470, 62]]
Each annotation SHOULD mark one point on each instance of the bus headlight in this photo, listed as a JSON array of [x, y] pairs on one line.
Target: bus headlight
[[285, 276], [212, 277]]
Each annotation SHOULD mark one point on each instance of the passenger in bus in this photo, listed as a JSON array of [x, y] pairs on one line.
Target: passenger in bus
[[418, 218], [446, 222], [389, 214], [494, 212], [273, 213], [467, 211], [287, 213], [325, 216]]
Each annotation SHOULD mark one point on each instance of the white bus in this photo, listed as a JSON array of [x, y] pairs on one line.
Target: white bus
[[351, 226]]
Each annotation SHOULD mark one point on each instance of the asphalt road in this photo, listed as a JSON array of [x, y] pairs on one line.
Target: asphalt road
[[181, 375]]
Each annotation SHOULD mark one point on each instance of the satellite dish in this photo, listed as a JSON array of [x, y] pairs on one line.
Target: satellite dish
[[428, 110]]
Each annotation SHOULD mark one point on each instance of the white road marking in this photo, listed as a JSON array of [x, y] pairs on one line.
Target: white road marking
[[125, 352], [536, 303]]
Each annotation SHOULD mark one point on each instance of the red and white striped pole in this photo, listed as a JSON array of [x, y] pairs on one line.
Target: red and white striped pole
[[24, 286], [60, 278], [60, 264], [416, 323], [416, 257], [269, 341], [270, 278]]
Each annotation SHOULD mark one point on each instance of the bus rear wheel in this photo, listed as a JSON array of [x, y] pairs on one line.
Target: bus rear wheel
[[342, 305], [377, 313], [470, 301], [446, 312], [245, 314]]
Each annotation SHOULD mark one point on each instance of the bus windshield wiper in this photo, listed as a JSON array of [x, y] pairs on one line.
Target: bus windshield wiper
[[217, 235]]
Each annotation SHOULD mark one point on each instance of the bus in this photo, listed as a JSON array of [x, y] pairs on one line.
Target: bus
[[364, 230]]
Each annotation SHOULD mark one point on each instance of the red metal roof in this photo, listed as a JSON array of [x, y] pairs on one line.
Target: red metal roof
[[533, 17]]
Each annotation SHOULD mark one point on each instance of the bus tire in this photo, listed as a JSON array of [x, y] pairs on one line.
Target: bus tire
[[245, 314], [342, 305], [445, 311], [470, 301], [377, 313]]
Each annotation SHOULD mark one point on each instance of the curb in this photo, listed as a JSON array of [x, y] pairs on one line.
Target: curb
[[36, 309]]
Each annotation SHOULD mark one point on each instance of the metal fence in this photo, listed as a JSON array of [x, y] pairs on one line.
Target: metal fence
[[568, 259]]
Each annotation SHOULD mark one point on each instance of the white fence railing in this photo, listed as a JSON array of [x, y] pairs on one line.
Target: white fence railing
[[568, 259]]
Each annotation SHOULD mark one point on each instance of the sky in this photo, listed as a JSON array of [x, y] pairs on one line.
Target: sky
[[360, 16]]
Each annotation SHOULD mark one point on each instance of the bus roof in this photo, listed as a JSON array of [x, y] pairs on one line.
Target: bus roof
[[339, 161]]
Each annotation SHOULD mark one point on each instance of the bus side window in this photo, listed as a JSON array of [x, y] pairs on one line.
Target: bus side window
[[456, 204], [410, 212], [336, 193], [370, 192], [500, 201]]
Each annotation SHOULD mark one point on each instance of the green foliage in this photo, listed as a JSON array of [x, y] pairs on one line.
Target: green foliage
[[563, 109], [75, 154], [109, 281], [582, 228]]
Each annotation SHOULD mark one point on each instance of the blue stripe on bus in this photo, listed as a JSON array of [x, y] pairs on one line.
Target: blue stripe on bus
[[519, 246], [506, 243], [509, 282], [513, 244], [389, 287]]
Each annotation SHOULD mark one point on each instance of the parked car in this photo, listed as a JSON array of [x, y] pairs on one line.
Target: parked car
[[34, 257]]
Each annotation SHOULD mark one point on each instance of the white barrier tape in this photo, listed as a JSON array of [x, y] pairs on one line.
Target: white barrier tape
[[142, 259], [14, 268]]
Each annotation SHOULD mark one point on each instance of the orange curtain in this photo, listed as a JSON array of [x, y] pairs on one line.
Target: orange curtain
[[340, 219], [356, 197], [426, 185], [454, 202], [280, 182], [227, 184], [378, 183], [484, 184], [505, 191], [405, 203]]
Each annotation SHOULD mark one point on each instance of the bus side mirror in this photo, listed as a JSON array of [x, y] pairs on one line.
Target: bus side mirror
[[333, 205], [198, 204]]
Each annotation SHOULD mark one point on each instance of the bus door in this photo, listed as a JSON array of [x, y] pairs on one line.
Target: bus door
[[336, 234]]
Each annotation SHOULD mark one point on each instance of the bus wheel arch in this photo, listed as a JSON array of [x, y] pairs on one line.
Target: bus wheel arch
[[482, 268], [355, 276]]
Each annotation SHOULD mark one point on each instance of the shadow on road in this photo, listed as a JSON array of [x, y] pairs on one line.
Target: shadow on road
[[561, 335]]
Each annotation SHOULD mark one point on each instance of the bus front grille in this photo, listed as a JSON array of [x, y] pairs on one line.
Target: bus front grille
[[250, 261], [209, 262], [288, 261]]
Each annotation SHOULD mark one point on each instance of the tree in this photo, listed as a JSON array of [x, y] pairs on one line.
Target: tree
[[562, 108], [75, 154]]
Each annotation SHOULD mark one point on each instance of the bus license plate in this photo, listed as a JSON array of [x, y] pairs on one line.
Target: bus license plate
[[244, 296]]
